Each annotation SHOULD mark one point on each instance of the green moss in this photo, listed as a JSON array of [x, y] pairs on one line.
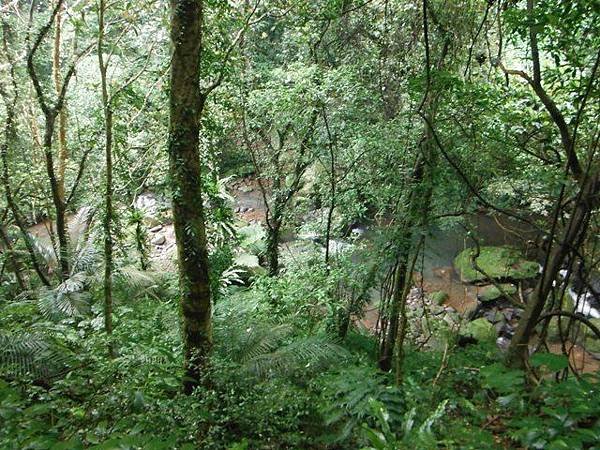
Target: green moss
[[491, 292], [439, 297], [481, 329], [497, 262]]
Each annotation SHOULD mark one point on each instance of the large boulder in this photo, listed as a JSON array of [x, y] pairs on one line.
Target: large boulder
[[500, 263], [491, 292], [480, 330]]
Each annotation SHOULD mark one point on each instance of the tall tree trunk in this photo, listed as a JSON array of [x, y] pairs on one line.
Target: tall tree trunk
[[399, 280], [51, 112], [108, 193], [185, 105], [10, 133], [63, 153]]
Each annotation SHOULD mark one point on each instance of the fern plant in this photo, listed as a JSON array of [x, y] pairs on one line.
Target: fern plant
[[31, 355], [351, 395], [412, 436], [270, 350]]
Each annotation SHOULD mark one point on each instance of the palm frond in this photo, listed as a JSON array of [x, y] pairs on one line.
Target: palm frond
[[80, 223], [85, 258], [68, 299], [44, 250]]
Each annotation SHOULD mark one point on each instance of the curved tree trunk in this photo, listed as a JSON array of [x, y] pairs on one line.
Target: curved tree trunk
[[572, 237]]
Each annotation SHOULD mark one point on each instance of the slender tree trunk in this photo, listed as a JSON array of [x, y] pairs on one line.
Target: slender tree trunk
[[573, 234], [59, 204], [19, 220], [389, 342], [332, 193], [16, 265], [272, 252], [140, 242], [184, 168], [51, 112], [108, 193], [63, 152], [10, 102], [572, 237]]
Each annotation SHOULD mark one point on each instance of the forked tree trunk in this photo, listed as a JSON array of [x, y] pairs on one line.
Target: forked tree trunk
[[51, 113], [184, 168]]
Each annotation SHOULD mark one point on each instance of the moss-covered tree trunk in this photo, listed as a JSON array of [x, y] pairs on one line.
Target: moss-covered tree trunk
[[184, 169], [108, 192], [272, 244]]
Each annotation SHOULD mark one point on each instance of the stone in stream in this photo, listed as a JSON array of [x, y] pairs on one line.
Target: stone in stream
[[246, 189], [500, 263], [494, 316], [156, 229], [159, 240], [503, 343], [481, 330], [490, 292]]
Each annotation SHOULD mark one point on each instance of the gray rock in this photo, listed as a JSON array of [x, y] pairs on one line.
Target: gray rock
[[500, 326], [159, 240], [156, 229], [494, 316], [502, 343]]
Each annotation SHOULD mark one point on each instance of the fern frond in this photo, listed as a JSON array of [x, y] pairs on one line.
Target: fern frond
[[304, 355], [260, 340], [30, 355], [137, 279], [229, 277]]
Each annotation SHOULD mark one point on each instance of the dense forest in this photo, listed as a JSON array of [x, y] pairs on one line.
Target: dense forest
[[299, 224]]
